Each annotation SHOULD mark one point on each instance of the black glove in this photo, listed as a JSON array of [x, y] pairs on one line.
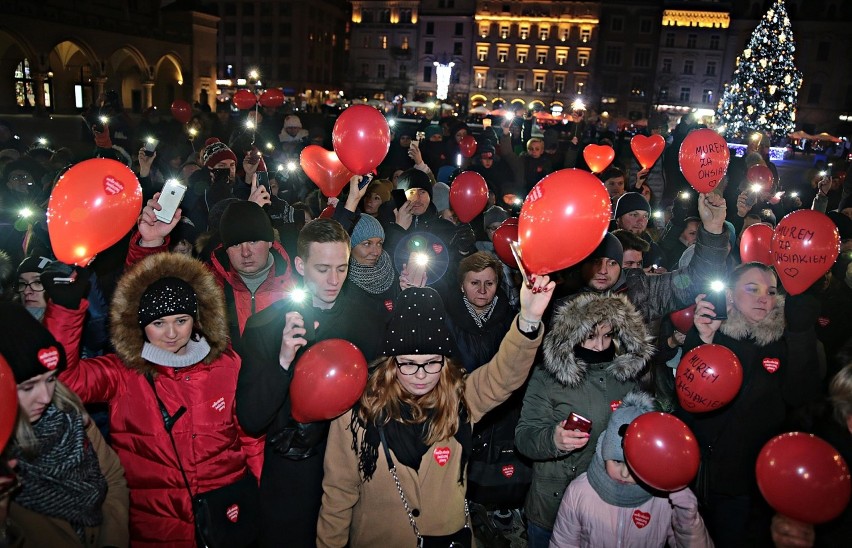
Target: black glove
[[463, 238], [64, 294]]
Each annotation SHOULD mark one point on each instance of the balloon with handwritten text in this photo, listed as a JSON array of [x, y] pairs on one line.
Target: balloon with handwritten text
[[708, 377], [804, 247], [704, 158]]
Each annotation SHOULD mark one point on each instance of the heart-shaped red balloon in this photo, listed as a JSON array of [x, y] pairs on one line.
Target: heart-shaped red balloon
[[468, 195], [804, 247], [803, 477], [708, 378], [271, 98], [8, 402], [361, 138], [760, 175], [328, 379], [181, 110], [661, 451], [682, 319], [94, 205], [564, 218], [704, 158], [598, 157], [505, 234], [325, 169], [756, 244], [467, 147], [244, 99], [647, 149]]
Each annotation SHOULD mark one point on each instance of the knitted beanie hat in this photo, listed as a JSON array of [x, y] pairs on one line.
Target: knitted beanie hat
[[631, 201], [441, 196], [610, 248], [494, 214], [632, 405], [366, 228], [33, 350], [34, 263], [245, 221], [414, 178], [216, 151], [167, 297], [418, 326]]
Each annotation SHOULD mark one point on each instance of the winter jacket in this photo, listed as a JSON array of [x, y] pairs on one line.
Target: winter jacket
[[212, 448], [564, 383], [585, 520], [477, 345], [29, 528], [368, 514]]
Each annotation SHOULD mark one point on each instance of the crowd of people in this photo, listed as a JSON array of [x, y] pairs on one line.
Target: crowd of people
[[154, 404]]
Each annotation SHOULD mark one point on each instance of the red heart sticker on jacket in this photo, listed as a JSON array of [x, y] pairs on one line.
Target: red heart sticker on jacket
[[49, 357], [771, 364], [233, 513], [614, 404], [389, 305], [641, 519], [508, 470], [823, 321], [112, 186], [438, 248], [442, 455]]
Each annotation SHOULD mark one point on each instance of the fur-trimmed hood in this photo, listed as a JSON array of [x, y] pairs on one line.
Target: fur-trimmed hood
[[574, 320], [767, 331], [128, 337]]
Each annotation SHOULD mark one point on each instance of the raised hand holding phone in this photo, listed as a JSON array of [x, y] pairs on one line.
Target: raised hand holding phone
[[152, 231]]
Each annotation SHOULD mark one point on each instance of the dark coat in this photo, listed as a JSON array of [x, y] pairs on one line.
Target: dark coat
[[476, 345]]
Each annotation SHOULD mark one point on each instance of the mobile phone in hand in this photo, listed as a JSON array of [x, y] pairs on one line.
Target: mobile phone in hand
[[716, 296], [578, 422], [399, 197], [150, 146], [263, 180], [169, 200], [221, 175]]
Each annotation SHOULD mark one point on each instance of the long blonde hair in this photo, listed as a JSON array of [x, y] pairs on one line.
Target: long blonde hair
[[64, 399], [383, 398]]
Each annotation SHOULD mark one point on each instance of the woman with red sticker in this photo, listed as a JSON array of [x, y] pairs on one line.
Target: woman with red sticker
[[774, 339], [395, 466]]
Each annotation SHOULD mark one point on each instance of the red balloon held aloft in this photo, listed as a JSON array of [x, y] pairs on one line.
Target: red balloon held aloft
[[756, 244], [661, 451], [647, 149], [361, 138], [271, 98], [468, 195], [803, 477], [760, 175], [708, 377], [8, 402], [181, 110], [244, 99], [329, 378], [324, 168], [598, 157], [467, 147], [94, 205], [564, 218], [704, 158], [682, 319], [503, 236], [804, 247]]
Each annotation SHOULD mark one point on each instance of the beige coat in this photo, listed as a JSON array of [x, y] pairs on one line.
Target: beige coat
[[369, 514], [31, 529]]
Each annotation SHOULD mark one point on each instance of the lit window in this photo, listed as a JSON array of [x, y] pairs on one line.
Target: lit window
[[520, 82], [504, 31], [558, 83], [543, 33], [482, 54], [582, 58], [524, 32], [541, 57], [502, 54], [538, 82], [522, 56], [585, 35], [561, 57]]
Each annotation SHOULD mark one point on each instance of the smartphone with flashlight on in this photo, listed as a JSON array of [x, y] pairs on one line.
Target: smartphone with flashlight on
[[150, 146], [98, 127], [169, 200], [416, 268], [578, 422], [399, 197], [716, 297]]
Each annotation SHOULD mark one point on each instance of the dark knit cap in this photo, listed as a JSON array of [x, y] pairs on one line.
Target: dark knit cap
[[34, 263], [631, 201], [414, 178], [433, 130], [486, 151], [844, 224], [216, 151], [610, 248], [418, 325], [32, 350], [167, 297], [245, 221]]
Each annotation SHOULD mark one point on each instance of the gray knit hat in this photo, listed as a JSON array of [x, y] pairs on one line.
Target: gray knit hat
[[441, 196], [366, 228], [632, 405], [494, 214]]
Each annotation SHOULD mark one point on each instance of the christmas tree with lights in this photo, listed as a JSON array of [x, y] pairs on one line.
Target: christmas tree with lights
[[763, 92]]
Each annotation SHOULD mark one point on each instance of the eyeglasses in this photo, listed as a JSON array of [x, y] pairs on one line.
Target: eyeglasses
[[412, 368], [35, 285]]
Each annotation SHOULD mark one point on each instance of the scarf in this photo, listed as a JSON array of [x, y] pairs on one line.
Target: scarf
[[480, 319], [593, 356], [405, 440], [64, 480], [623, 495], [253, 281], [373, 279], [196, 351]]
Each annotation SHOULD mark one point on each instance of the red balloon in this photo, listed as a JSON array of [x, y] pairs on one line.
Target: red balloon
[[271, 98], [559, 209], [8, 402], [329, 378], [661, 451], [468, 195], [703, 159], [804, 247], [181, 110], [503, 236], [361, 138], [760, 175], [244, 99], [323, 167], [756, 244], [682, 319], [94, 205], [598, 157], [467, 147], [803, 477], [708, 377], [327, 213], [647, 149]]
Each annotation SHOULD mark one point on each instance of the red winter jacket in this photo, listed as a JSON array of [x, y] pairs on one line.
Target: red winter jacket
[[213, 449]]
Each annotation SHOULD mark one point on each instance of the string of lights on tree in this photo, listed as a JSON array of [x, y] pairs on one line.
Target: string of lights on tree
[[762, 94]]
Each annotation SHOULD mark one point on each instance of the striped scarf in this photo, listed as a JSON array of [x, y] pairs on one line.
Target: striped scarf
[[480, 319]]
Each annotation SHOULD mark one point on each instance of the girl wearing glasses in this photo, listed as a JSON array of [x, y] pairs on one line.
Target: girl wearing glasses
[[395, 465], [29, 287]]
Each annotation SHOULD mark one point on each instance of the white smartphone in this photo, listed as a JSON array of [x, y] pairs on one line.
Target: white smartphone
[[150, 146], [169, 200]]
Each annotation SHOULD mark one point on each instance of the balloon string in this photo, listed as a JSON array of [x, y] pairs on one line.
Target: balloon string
[[254, 125]]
